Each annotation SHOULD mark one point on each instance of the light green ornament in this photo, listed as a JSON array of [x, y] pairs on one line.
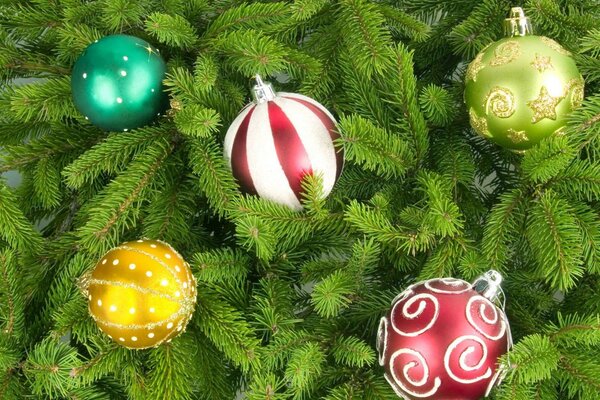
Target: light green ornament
[[521, 89]]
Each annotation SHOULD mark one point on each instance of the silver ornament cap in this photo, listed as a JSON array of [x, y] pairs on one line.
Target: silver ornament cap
[[517, 24]]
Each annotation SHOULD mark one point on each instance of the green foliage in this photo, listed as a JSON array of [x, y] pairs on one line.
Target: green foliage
[[289, 300]]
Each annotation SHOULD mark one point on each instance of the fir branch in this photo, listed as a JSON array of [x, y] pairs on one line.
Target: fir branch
[[227, 329], [533, 359], [109, 155], [437, 105], [197, 121], [374, 148], [546, 160], [304, 368], [46, 183], [251, 52], [352, 352], [12, 308], [14, 226], [48, 368], [120, 199], [333, 294], [364, 35], [49, 100], [220, 265], [174, 30], [502, 226], [406, 98], [117, 15], [555, 239], [216, 179], [249, 16]]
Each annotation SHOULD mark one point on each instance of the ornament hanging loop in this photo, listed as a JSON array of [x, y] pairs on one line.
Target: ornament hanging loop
[[488, 285], [517, 24], [263, 91]]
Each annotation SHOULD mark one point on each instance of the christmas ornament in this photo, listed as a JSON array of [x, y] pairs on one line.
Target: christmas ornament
[[117, 83], [141, 293], [522, 88], [277, 140], [442, 338]]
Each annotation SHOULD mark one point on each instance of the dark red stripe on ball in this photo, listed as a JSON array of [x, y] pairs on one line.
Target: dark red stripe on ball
[[290, 151], [239, 156], [330, 126]]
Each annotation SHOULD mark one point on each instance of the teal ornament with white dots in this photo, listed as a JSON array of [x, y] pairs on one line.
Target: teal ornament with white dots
[[117, 83]]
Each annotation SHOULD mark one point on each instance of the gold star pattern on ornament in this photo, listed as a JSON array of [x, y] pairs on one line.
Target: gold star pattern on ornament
[[479, 124], [544, 106], [517, 136], [474, 68], [542, 63], [506, 53]]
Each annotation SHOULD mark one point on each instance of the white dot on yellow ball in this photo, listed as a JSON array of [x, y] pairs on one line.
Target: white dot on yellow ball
[[123, 73], [177, 294], [164, 282], [177, 268], [104, 261], [152, 309], [90, 297], [134, 338], [185, 285], [119, 100], [169, 325], [168, 255], [116, 262], [148, 274], [122, 339], [132, 310], [151, 335], [140, 241], [179, 328], [153, 245], [99, 302], [131, 266], [113, 308]]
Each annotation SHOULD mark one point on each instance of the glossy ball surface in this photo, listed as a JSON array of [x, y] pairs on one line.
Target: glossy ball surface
[[142, 293], [441, 340], [117, 83], [271, 146], [521, 89]]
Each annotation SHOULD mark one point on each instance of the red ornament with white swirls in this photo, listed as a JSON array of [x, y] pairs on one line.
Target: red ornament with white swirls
[[278, 140], [442, 339]]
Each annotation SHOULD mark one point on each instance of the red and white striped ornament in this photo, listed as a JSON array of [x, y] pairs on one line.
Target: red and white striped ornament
[[279, 139], [442, 338]]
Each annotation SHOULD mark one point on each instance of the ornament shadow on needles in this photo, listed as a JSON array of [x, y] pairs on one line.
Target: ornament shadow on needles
[[278, 140], [442, 338], [521, 89], [116, 83], [141, 293]]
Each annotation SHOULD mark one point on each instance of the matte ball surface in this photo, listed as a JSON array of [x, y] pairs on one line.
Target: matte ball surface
[[441, 341], [117, 83], [142, 293], [521, 89]]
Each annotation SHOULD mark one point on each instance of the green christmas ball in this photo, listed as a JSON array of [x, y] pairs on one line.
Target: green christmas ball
[[521, 89], [117, 83]]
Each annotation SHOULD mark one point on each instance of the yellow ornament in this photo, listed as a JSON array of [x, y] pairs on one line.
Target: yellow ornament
[[522, 88], [141, 293]]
